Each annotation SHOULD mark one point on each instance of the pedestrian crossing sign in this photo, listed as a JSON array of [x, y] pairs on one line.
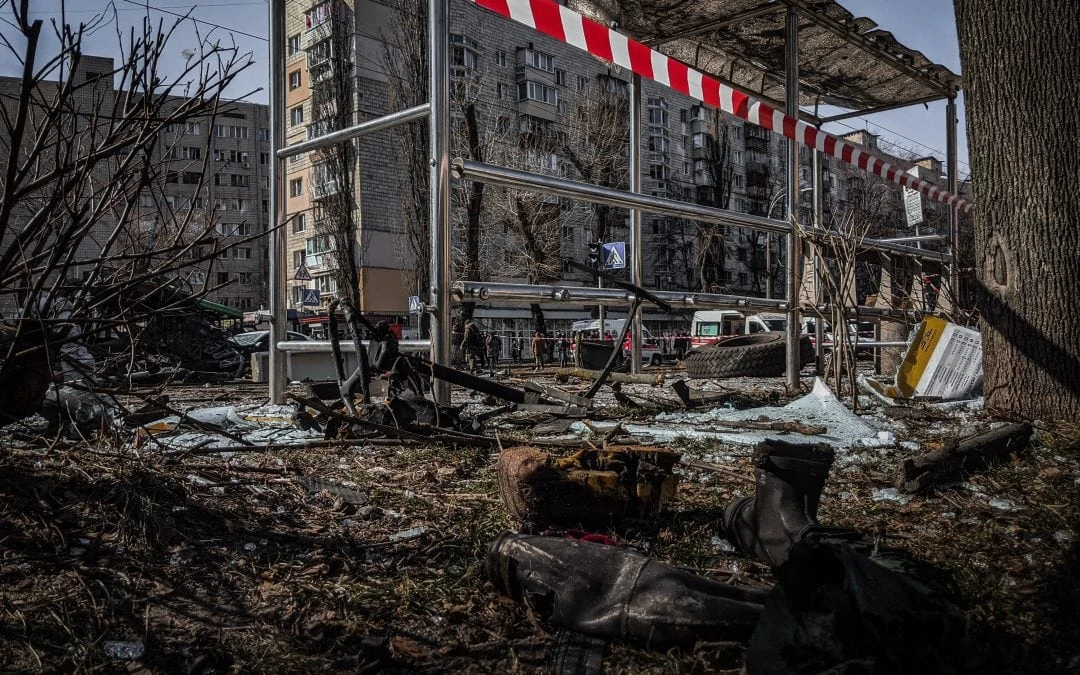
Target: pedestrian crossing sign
[[614, 255], [302, 273]]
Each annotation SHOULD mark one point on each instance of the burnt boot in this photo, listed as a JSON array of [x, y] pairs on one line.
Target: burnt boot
[[610, 592], [783, 510]]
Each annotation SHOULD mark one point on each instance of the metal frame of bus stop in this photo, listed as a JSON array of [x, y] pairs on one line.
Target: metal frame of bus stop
[[438, 111]]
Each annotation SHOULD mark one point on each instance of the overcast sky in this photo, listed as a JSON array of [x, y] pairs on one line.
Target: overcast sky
[[925, 25]]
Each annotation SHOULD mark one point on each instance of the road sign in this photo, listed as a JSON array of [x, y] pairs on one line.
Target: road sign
[[302, 273], [913, 202], [614, 255], [310, 297], [415, 306]]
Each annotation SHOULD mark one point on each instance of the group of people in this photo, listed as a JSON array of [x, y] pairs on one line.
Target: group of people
[[675, 342], [480, 348]]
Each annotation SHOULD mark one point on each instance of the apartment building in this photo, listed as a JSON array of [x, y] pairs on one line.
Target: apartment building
[[204, 173]]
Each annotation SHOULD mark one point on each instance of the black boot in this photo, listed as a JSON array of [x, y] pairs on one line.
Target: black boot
[[783, 510], [609, 592]]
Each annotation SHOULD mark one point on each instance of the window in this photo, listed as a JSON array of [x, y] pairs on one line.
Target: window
[[294, 80], [316, 245], [223, 277], [684, 115], [192, 153], [264, 134], [242, 253], [539, 60], [463, 52], [319, 14], [266, 206], [500, 58], [197, 203], [294, 44], [219, 130], [194, 128], [238, 132], [737, 179], [264, 158], [500, 90], [325, 284], [560, 77], [659, 172], [537, 92], [192, 177], [299, 258], [239, 205], [296, 187], [659, 144], [700, 140], [582, 83], [736, 156], [299, 222], [296, 115]]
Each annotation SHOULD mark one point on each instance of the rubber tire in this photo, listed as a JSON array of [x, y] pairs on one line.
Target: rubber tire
[[755, 355]]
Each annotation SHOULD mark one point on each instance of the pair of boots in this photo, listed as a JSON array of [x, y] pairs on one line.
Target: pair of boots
[[783, 510]]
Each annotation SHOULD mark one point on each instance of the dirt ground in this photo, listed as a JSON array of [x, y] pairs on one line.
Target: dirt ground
[[369, 557]]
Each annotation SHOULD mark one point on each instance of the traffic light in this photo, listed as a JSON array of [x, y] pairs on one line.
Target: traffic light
[[594, 254]]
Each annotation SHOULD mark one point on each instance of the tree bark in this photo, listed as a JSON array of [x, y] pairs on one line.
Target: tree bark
[[1020, 61]]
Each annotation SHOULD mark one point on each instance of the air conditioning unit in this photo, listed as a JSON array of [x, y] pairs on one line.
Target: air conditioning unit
[[246, 165]]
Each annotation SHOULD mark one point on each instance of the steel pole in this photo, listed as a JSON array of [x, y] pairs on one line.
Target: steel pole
[[793, 257], [954, 214], [439, 141], [819, 224], [278, 237], [635, 216]]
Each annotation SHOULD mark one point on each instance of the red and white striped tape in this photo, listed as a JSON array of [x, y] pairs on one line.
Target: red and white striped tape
[[566, 25]]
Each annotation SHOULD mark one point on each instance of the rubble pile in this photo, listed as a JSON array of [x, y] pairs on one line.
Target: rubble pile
[[534, 523]]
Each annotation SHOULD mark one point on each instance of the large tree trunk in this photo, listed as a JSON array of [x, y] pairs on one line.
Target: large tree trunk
[[1020, 61]]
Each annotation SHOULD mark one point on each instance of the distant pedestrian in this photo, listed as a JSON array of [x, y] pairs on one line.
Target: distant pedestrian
[[493, 345], [538, 351], [516, 347], [563, 349]]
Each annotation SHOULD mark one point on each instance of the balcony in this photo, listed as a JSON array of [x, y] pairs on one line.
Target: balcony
[[317, 34], [755, 143], [323, 73], [325, 189]]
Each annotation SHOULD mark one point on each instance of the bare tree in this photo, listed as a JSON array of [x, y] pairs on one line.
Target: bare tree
[[81, 157], [406, 61]]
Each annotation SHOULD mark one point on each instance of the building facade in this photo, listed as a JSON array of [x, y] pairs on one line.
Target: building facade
[[205, 186]]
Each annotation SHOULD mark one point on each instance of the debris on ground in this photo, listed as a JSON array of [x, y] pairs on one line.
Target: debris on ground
[[305, 537]]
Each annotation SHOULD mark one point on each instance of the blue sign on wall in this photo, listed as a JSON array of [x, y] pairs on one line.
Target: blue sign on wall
[[310, 297]]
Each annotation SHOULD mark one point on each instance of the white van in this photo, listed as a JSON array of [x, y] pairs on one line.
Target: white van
[[650, 347], [710, 325]]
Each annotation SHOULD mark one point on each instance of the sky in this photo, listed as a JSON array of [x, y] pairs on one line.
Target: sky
[[925, 25]]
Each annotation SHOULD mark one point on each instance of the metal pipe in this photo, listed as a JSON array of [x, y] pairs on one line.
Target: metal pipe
[[587, 295], [819, 224], [362, 129], [921, 237], [277, 240], [319, 346], [439, 142], [793, 254], [499, 175], [954, 213], [636, 249]]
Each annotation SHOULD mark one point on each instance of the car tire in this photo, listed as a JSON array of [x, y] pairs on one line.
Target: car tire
[[756, 355]]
